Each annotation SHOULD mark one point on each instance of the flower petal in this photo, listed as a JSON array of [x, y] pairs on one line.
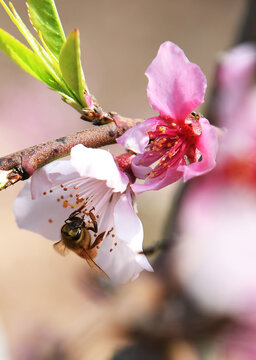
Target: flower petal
[[41, 215], [98, 164], [237, 66], [55, 173], [171, 175], [207, 144], [139, 170], [136, 139], [123, 262], [175, 86]]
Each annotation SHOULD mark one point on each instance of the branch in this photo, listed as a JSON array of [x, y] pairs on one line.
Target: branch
[[247, 30], [22, 164]]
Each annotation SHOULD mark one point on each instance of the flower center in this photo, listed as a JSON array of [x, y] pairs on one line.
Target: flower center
[[92, 202], [172, 145]]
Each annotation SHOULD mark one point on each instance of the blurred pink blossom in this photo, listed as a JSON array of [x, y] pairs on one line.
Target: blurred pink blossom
[[238, 343], [182, 142], [217, 249]]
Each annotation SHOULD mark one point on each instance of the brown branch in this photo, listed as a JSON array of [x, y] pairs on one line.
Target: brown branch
[[23, 163]]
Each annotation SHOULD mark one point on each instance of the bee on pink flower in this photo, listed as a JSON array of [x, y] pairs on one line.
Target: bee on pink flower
[[179, 142]]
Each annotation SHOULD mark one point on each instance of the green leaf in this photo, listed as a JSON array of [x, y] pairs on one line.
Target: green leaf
[[70, 66], [14, 16], [44, 17], [38, 49], [25, 58]]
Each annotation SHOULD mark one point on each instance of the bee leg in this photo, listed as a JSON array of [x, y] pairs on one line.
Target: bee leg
[[98, 240], [94, 228], [76, 212]]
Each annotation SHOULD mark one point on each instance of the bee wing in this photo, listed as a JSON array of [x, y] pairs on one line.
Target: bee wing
[[61, 248], [84, 254]]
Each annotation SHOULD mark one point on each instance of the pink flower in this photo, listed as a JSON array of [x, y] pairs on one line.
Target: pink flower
[[179, 141], [92, 184]]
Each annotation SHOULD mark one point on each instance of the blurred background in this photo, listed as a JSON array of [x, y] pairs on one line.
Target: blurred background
[[52, 306]]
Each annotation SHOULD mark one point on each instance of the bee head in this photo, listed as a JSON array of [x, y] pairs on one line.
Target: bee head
[[72, 228]]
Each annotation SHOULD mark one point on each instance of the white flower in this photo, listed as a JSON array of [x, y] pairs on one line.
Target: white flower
[[91, 178]]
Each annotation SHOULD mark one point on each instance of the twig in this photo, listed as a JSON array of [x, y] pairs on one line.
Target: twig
[[22, 164]]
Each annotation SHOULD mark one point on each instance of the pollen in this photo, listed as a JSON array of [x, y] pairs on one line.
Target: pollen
[[65, 204]]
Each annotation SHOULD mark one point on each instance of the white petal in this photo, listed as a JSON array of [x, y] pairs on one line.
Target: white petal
[[55, 173], [121, 264], [127, 224], [98, 164], [44, 215], [129, 228]]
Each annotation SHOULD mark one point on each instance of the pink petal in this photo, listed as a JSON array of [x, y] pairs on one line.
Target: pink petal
[[175, 86], [140, 171], [136, 139], [237, 66], [171, 175], [208, 145], [98, 164]]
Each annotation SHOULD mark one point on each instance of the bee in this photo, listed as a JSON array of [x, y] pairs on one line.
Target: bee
[[76, 236]]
